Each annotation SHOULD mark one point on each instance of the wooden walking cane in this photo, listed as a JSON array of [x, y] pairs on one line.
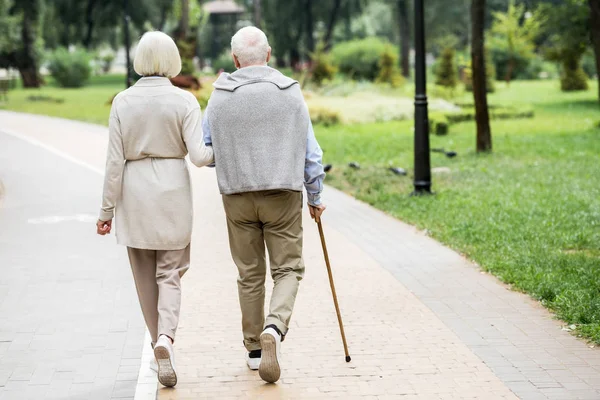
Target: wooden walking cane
[[335, 301]]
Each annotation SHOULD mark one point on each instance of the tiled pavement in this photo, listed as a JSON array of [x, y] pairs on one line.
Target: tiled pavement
[[421, 321]]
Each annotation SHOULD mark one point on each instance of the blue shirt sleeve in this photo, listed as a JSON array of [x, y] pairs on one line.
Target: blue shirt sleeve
[[206, 135], [314, 174]]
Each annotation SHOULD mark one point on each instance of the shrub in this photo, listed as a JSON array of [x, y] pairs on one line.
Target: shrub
[[538, 68], [573, 77], [322, 66], [388, 68], [446, 71], [496, 112], [224, 62], [359, 59], [187, 50], [438, 124], [70, 69], [324, 116]]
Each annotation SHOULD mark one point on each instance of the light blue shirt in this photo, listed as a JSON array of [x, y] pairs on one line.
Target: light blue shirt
[[314, 173]]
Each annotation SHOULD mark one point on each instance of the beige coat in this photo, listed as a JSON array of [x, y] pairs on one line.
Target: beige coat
[[153, 126]]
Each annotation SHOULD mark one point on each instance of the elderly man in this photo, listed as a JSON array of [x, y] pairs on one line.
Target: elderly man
[[265, 152]]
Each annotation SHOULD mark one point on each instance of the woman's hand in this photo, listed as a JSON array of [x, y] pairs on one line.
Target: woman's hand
[[103, 227]]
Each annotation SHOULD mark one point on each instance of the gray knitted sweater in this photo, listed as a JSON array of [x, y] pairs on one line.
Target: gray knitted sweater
[[258, 121]]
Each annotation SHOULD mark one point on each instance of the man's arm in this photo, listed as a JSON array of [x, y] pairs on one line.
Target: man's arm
[[314, 174], [207, 135]]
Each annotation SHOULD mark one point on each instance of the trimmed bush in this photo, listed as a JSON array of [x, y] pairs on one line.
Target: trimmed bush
[[359, 59], [573, 77], [70, 69], [438, 124], [389, 72], [324, 116], [224, 62], [322, 66], [446, 70], [468, 114]]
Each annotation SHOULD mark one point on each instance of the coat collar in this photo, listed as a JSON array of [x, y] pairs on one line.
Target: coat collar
[[150, 81]]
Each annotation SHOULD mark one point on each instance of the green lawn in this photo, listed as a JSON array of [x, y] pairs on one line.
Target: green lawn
[[91, 104], [529, 212]]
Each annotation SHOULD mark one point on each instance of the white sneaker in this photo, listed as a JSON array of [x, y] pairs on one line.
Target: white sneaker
[[270, 342], [253, 363], [165, 358]]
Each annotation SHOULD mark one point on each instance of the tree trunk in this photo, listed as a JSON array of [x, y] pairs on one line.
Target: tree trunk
[[27, 63], [482, 116], [509, 70], [184, 24], [310, 39], [257, 14], [164, 14], [404, 37], [89, 18], [331, 24], [595, 31]]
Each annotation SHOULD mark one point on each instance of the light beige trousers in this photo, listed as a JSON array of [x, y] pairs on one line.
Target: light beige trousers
[[157, 275], [254, 219]]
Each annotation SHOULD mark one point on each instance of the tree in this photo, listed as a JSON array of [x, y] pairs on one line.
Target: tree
[[566, 27], [331, 24], [24, 54], [518, 29], [595, 27], [257, 14], [446, 71], [404, 37], [482, 116]]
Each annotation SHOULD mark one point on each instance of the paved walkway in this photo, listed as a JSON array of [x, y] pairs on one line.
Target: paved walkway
[[422, 322]]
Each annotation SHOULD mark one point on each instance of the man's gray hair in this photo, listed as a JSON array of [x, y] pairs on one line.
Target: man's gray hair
[[251, 46]]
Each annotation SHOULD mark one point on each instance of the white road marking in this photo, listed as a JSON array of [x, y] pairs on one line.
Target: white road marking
[[146, 388]]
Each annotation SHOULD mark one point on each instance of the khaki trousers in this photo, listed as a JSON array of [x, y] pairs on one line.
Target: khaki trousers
[[157, 275], [254, 219]]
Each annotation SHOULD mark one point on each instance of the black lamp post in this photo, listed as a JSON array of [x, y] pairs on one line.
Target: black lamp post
[[127, 43], [422, 181]]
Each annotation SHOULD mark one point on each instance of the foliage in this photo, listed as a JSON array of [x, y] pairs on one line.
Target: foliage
[[446, 70], [389, 73], [500, 210], [224, 62], [70, 69], [322, 66], [567, 29], [512, 40], [539, 68], [376, 19], [187, 50], [9, 27], [438, 124], [359, 59], [324, 116], [573, 77]]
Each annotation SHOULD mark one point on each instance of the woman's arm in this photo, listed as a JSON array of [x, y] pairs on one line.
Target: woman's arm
[[115, 162], [200, 154]]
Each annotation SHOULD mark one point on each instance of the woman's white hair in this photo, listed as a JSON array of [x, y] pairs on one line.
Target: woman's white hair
[[157, 54], [251, 46]]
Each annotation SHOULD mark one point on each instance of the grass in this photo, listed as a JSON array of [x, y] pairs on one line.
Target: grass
[[91, 104], [529, 212]]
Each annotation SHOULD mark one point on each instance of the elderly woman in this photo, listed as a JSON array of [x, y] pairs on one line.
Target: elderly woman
[[153, 126]]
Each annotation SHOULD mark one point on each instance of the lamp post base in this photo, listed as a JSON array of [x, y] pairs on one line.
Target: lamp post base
[[422, 189]]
